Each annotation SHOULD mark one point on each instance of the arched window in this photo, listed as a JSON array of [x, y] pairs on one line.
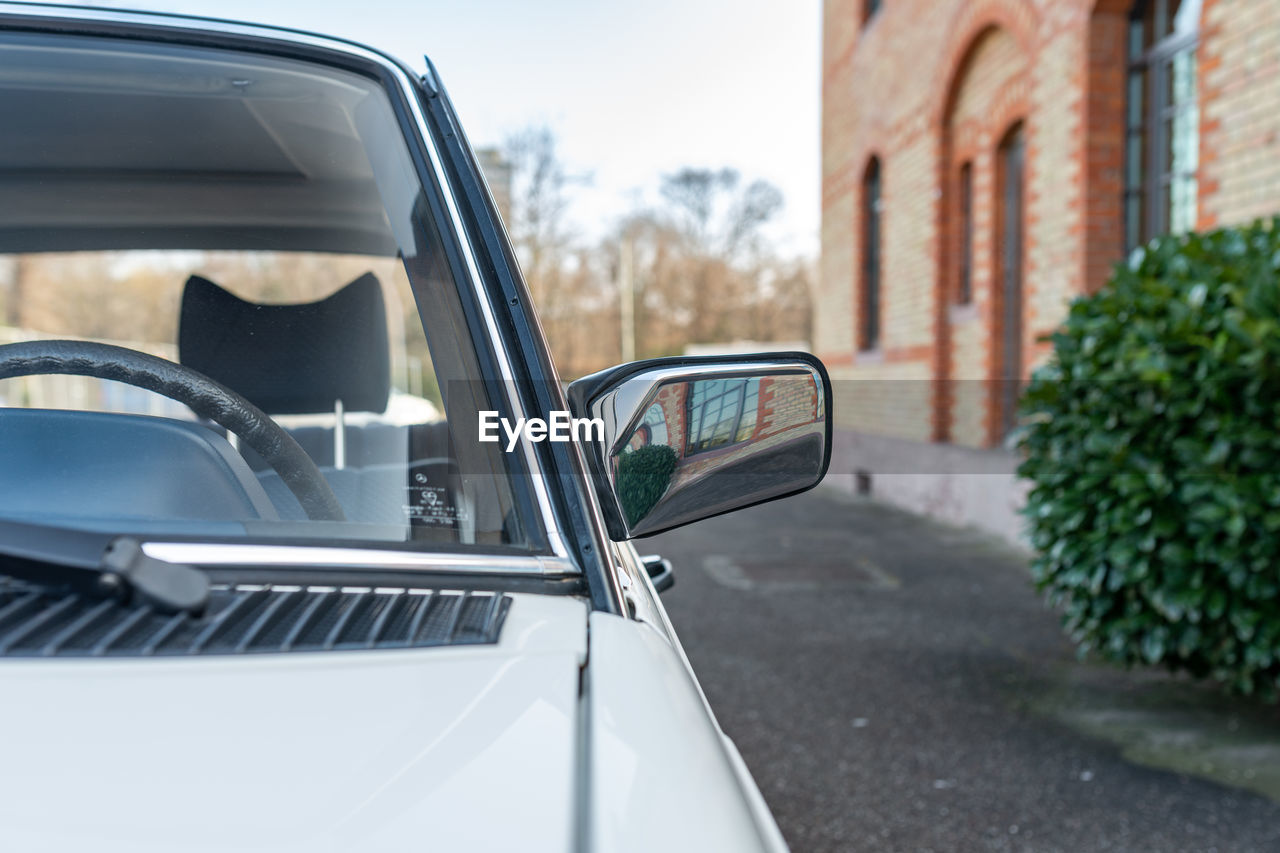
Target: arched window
[[1162, 122], [869, 327], [964, 293]]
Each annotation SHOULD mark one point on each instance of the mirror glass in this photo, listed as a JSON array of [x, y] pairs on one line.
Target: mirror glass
[[688, 443]]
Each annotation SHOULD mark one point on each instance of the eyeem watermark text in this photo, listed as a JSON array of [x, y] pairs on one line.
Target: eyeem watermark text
[[561, 427]]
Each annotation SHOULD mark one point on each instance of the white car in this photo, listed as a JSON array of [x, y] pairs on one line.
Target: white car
[[302, 545]]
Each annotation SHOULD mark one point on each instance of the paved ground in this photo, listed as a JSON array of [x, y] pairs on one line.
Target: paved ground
[[897, 685]]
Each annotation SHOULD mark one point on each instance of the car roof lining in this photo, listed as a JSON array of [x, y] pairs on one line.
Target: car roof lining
[[110, 144]]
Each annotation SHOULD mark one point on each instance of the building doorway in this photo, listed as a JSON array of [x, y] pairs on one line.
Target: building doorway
[[1011, 166]]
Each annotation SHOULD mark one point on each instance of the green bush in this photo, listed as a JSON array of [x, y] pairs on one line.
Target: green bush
[[643, 475], [1152, 444]]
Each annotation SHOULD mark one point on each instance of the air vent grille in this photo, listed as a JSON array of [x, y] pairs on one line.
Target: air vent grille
[[37, 622]]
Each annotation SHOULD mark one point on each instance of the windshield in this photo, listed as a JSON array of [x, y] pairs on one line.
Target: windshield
[[256, 225]]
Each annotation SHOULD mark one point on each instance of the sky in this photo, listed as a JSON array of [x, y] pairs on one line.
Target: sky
[[632, 90]]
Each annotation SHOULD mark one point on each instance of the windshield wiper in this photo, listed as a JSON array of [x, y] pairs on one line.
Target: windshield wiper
[[100, 565]]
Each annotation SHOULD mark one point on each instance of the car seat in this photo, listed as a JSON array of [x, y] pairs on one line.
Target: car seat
[[331, 356]]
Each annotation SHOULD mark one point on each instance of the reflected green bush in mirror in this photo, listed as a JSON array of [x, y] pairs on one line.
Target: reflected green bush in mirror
[[643, 477]]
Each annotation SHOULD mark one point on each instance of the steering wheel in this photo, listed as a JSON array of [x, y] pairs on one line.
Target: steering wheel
[[202, 395]]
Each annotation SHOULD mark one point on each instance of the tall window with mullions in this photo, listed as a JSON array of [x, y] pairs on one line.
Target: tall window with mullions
[[1162, 149], [721, 412]]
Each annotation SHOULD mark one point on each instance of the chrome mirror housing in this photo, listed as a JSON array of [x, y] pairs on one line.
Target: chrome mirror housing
[[689, 438]]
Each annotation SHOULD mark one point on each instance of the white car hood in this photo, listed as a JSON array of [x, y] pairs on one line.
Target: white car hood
[[429, 749]]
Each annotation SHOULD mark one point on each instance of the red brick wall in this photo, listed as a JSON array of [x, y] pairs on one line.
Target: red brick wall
[[784, 404], [672, 400], [1105, 140], [988, 97], [1239, 80], [927, 85]]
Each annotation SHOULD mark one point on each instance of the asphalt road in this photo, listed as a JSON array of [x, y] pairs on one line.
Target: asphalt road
[[886, 680]]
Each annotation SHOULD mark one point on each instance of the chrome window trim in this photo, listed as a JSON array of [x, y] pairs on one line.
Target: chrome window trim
[[208, 25], [307, 556]]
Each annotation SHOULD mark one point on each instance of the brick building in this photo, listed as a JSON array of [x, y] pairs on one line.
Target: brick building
[[984, 161], [718, 416]]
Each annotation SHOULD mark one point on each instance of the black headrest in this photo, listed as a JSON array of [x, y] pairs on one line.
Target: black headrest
[[291, 359]]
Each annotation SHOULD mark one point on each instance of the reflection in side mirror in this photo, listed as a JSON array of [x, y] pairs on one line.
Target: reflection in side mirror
[[686, 439]]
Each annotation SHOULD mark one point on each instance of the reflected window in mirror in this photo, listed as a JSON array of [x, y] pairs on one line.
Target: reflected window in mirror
[[721, 412], [652, 429]]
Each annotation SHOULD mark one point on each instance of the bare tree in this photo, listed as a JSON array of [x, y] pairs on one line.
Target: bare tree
[[539, 199], [760, 202], [720, 218], [694, 194], [710, 237], [701, 266], [562, 277]]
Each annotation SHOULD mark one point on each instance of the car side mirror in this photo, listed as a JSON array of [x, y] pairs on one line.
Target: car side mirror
[[688, 438], [660, 573]]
